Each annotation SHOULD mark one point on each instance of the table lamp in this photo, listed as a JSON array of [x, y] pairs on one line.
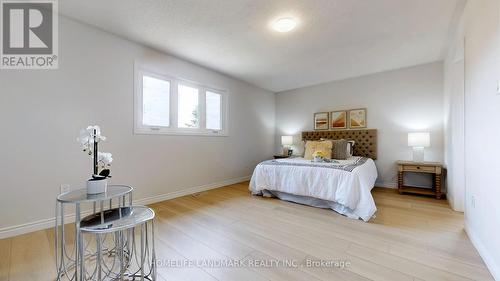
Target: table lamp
[[287, 142], [419, 141]]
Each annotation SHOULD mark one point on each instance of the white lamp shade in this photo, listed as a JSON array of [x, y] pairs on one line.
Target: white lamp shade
[[419, 139], [286, 140]]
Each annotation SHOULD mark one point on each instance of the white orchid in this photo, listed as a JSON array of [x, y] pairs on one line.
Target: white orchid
[[87, 137], [104, 159], [90, 136]]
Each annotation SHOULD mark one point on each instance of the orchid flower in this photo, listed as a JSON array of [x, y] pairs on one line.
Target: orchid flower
[[104, 159], [87, 137], [90, 136]]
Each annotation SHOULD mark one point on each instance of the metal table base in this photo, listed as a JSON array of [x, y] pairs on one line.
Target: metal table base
[[68, 262]]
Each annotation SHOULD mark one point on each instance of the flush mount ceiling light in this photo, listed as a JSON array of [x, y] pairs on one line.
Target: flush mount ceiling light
[[284, 24]]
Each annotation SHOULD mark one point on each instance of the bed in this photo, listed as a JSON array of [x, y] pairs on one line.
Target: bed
[[341, 185]]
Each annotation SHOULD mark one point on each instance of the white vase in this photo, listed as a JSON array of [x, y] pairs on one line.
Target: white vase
[[97, 186]]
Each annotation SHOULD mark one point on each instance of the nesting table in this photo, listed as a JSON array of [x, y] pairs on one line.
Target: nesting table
[[107, 214]]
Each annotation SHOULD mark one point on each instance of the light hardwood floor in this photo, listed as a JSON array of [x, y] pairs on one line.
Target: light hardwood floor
[[412, 238]]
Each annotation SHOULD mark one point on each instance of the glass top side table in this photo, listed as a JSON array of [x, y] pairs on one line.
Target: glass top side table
[[81, 196], [67, 267]]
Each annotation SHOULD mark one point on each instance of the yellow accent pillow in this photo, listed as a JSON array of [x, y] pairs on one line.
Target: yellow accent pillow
[[323, 146]]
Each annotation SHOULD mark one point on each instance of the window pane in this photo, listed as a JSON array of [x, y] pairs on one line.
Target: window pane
[[188, 107], [155, 102], [214, 111]]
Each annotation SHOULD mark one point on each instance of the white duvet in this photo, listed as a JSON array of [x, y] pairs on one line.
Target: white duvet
[[345, 184]]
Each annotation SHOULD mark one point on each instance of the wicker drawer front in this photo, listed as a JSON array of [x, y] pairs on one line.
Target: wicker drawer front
[[414, 168]]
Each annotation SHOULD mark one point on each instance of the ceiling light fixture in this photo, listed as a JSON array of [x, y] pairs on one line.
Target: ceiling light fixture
[[284, 24]]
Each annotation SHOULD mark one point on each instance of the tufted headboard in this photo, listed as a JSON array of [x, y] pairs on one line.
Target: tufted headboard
[[366, 140]]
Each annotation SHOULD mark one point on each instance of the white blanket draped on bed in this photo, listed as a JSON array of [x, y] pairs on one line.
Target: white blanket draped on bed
[[344, 183]]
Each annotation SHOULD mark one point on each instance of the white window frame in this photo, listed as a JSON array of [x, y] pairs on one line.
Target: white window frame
[[173, 129]]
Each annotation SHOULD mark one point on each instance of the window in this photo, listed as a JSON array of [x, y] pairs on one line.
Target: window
[[168, 105], [155, 102], [213, 110], [188, 111]]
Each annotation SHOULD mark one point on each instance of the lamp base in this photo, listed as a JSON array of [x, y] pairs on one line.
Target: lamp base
[[418, 154]]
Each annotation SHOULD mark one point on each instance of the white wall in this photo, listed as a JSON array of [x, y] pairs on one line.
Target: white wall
[[41, 113], [482, 130], [454, 114], [398, 102]]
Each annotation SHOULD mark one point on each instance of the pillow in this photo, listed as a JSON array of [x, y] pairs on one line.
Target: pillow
[[340, 149], [313, 146]]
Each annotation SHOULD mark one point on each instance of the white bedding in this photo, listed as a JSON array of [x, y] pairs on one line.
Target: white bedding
[[347, 184]]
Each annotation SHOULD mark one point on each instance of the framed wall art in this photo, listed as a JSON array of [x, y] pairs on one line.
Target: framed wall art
[[357, 118], [321, 121], [338, 120]]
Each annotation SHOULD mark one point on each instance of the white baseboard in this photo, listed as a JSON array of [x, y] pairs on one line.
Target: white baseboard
[[188, 191], [490, 262], [48, 223]]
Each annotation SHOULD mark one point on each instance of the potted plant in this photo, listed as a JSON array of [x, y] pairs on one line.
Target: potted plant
[[90, 139], [318, 156]]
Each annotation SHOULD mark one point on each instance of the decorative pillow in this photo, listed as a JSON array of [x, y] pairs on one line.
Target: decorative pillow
[[340, 149], [323, 146]]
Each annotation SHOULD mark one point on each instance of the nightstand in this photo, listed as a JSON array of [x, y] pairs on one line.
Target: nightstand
[[281, 156], [433, 168]]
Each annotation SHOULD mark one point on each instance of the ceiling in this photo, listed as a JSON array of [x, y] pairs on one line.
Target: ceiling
[[335, 39]]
